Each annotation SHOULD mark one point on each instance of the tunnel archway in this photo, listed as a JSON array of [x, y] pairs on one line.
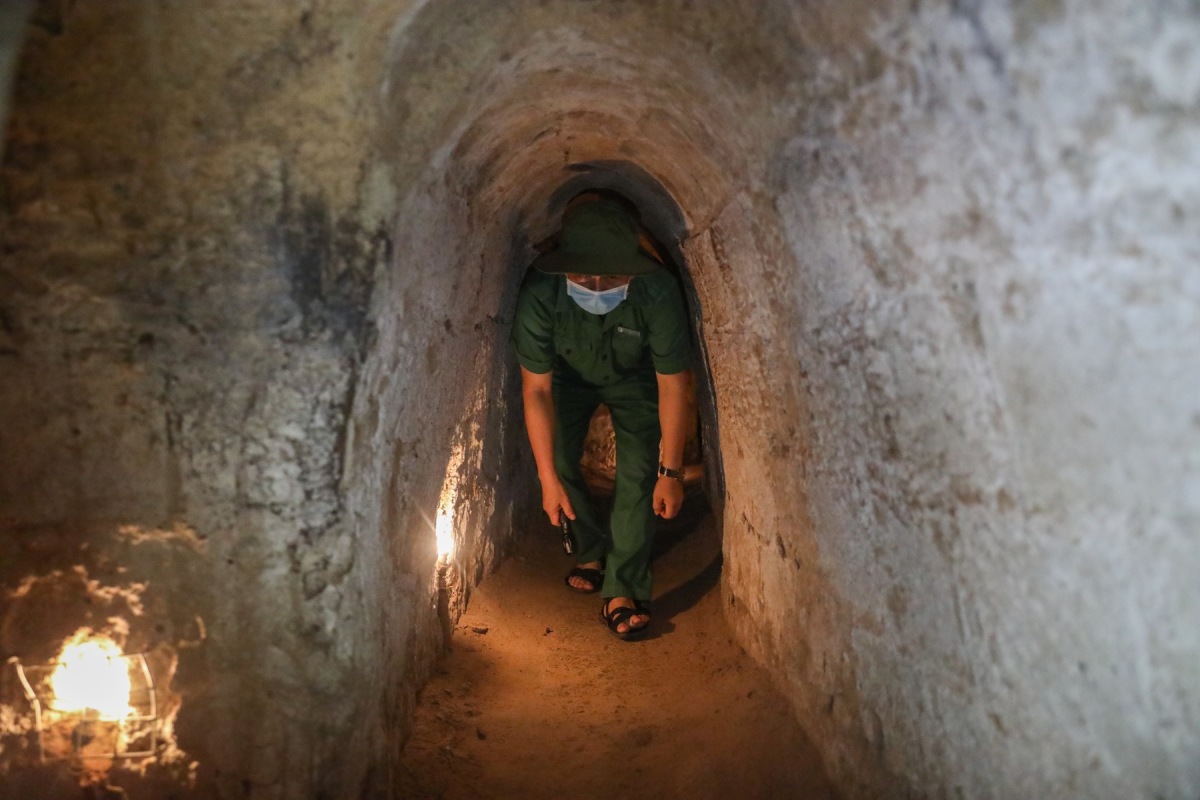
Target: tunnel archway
[[513, 144], [487, 161]]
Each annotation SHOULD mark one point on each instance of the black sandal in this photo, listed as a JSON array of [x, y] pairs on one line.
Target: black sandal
[[619, 616], [593, 576]]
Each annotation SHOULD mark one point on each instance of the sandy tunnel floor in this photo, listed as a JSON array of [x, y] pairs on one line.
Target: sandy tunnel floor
[[536, 699]]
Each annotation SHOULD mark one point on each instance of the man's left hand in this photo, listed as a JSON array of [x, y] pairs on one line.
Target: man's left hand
[[668, 497]]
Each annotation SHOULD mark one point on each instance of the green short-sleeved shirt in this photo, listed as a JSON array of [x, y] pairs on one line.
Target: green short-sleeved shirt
[[647, 333]]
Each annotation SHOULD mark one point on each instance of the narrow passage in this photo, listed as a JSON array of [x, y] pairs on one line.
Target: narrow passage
[[536, 699]]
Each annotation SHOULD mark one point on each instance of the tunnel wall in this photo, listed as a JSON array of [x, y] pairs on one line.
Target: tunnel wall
[[194, 220], [988, 220], [259, 264]]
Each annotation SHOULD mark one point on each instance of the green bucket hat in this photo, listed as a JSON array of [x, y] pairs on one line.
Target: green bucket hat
[[599, 238]]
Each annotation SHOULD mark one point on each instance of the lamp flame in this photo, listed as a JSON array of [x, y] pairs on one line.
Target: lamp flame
[[92, 673]]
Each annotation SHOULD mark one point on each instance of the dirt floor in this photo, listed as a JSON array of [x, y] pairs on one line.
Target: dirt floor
[[536, 700]]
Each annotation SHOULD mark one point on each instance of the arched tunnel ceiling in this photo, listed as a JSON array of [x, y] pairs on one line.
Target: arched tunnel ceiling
[[511, 96]]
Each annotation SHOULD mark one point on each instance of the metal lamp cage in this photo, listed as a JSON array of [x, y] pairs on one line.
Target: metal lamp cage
[[136, 727]]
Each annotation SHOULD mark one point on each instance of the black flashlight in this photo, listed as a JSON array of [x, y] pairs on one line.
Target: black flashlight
[[568, 537]]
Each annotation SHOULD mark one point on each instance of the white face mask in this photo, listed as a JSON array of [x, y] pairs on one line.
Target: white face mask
[[595, 302]]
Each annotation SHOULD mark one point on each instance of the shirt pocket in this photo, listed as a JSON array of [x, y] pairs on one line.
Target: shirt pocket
[[628, 345]]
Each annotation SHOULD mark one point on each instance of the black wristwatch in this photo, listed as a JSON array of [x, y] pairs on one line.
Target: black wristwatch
[[664, 472]]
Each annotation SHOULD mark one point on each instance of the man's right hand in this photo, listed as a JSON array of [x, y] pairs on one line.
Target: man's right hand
[[555, 501]]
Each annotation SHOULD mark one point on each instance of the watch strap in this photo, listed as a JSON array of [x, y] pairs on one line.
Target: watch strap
[[666, 472]]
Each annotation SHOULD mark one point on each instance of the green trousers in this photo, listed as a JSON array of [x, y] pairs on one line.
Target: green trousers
[[625, 546]]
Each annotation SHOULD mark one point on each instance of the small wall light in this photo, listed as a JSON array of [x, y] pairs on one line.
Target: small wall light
[[93, 701], [444, 531]]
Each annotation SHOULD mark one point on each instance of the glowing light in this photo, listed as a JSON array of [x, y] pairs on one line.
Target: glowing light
[[444, 530], [92, 673]]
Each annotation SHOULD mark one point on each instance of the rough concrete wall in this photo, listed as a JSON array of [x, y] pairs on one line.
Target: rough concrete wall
[[194, 217], [986, 237], [433, 448], [992, 214]]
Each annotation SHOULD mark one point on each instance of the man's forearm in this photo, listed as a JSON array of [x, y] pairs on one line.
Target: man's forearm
[[673, 416], [539, 420]]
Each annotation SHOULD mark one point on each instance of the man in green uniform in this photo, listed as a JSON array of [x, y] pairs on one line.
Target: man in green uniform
[[600, 321]]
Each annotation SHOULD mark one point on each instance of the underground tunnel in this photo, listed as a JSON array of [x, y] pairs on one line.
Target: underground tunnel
[[258, 265]]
